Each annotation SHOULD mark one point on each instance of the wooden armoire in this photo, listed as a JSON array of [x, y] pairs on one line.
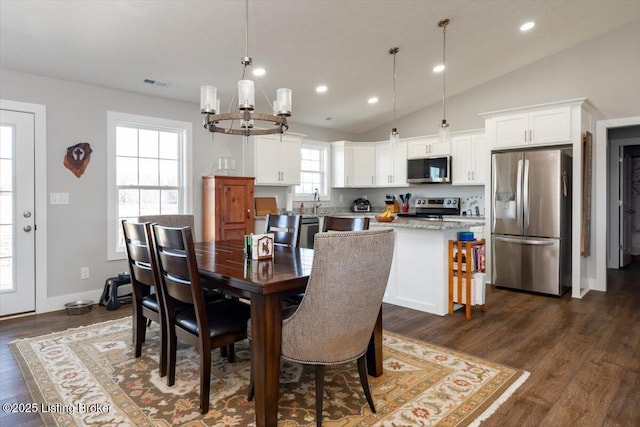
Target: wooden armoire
[[227, 207]]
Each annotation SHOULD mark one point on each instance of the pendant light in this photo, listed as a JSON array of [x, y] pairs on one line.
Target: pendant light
[[242, 121], [444, 132], [394, 137]]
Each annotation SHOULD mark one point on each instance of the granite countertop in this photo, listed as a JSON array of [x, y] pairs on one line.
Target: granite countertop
[[425, 224]]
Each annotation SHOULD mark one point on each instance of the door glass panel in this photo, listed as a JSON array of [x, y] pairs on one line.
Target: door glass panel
[[7, 134]]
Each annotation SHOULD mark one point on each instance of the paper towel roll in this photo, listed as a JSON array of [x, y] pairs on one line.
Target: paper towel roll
[[289, 202]]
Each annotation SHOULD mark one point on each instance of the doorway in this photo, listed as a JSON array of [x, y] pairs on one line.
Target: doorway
[[22, 207], [602, 200], [623, 196]]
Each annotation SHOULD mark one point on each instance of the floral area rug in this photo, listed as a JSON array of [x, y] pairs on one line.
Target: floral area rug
[[88, 376]]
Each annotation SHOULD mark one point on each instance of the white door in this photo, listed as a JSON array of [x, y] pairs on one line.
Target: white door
[[17, 216], [626, 211]]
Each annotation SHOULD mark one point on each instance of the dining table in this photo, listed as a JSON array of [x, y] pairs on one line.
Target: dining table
[[264, 283]]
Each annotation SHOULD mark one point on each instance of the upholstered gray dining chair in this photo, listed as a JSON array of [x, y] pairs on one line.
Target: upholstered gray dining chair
[[178, 220], [335, 320]]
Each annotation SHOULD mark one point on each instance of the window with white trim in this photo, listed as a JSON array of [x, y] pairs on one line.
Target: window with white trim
[[314, 170], [149, 171]]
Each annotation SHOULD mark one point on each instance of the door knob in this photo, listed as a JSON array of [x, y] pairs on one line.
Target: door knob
[[27, 228], [631, 211], [26, 214]]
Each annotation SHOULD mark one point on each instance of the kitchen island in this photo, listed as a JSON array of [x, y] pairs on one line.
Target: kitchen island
[[419, 271]]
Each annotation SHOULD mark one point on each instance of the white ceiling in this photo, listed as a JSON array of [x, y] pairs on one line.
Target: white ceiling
[[301, 43]]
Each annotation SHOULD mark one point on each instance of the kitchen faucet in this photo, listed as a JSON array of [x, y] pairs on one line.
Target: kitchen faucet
[[316, 199]]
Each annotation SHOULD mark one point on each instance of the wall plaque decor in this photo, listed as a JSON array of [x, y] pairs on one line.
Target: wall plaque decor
[[77, 158]]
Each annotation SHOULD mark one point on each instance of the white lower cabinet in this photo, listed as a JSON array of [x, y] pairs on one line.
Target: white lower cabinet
[[419, 271]]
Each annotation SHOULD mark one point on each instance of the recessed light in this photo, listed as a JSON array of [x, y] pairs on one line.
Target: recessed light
[[372, 100], [438, 68], [321, 89], [259, 72], [527, 26]]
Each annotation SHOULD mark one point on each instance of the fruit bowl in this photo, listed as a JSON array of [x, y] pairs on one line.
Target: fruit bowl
[[381, 218]]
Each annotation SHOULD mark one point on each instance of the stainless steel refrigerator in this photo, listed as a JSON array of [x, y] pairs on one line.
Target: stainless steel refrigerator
[[531, 225]]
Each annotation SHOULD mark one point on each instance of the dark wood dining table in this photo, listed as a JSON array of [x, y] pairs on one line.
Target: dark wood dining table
[[264, 283]]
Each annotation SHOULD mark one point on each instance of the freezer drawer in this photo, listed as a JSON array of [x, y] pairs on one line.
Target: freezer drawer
[[525, 263]]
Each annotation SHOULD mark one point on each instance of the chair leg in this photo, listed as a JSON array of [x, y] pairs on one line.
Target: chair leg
[[172, 344], [163, 349], [231, 353], [319, 393], [139, 332], [205, 379], [364, 380]]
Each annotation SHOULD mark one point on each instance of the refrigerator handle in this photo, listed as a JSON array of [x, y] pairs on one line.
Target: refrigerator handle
[[525, 241], [525, 194], [519, 194]]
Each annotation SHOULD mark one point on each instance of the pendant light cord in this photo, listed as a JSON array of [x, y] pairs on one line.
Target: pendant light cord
[[444, 24], [394, 89]]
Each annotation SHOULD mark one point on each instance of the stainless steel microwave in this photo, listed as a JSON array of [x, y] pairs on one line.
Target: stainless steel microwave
[[429, 170]]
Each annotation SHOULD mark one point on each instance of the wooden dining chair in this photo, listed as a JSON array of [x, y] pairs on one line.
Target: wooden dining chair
[[335, 320], [144, 280], [286, 229], [204, 325], [335, 223]]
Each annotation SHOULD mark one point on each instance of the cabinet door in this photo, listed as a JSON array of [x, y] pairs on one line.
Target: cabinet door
[[552, 126], [341, 164], [399, 177], [364, 166], [234, 209], [384, 164], [266, 160], [461, 160], [509, 131], [438, 148], [289, 161], [480, 160]]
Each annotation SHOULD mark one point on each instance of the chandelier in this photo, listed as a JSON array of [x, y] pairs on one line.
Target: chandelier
[[242, 121], [394, 137], [444, 133]]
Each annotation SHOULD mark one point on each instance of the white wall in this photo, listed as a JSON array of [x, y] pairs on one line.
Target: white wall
[[76, 233]]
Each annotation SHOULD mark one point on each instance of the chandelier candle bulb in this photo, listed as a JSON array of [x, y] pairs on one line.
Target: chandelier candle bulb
[[284, 101], [276, 107], [208, 99], [245, 94]]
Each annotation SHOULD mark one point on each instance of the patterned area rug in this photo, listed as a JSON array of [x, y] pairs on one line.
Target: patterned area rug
[[88, 376]]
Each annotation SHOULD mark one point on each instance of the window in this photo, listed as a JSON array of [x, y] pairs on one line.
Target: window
[[314, 170], [149, 171]]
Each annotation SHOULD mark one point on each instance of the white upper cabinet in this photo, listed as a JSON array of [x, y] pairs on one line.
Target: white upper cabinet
[[364, 165], [470, 158], [353, 164], [429, 146], [391, 165], [538, 126], [277, 160]]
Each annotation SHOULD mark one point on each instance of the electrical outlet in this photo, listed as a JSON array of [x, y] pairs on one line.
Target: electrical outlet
[[84, 273]]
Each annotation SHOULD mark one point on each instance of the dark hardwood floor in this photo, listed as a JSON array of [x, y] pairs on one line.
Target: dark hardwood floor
[[583, 355]]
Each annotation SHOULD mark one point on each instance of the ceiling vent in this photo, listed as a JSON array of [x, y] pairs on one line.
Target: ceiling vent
[[156, 82]]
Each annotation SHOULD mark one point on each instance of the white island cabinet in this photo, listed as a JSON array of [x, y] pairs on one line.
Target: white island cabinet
[[419, 271]]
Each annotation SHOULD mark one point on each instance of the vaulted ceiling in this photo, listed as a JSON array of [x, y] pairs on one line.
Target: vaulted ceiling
[[343, 44]]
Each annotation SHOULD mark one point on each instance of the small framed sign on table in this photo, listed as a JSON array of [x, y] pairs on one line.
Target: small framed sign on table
[[262, 246]]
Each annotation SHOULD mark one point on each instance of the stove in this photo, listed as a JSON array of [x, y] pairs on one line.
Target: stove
[[435, 208]]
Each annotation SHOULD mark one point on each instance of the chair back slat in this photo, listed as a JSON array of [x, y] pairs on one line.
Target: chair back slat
[[334, 223], [140, 257], [286, 229], [178, 269]]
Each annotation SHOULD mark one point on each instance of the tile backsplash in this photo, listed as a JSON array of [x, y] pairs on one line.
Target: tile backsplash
[[468, 204]]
